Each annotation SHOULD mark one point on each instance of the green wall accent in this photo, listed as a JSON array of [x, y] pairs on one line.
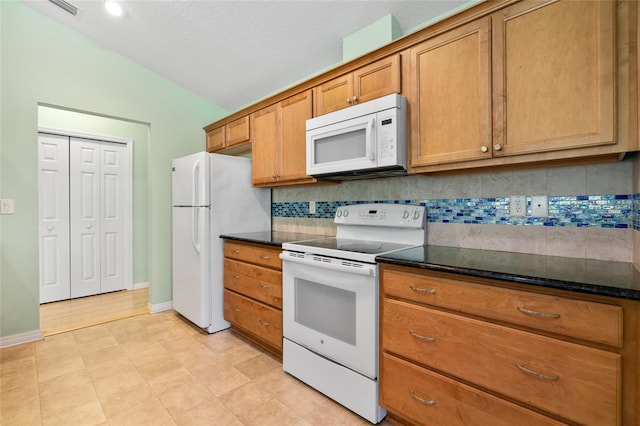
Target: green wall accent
[[371, 37], [46, 63], [77, 122]]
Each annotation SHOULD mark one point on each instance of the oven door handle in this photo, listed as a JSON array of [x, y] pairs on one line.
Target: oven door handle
[[366, 270]]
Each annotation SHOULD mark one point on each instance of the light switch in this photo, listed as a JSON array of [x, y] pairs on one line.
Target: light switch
[[6, 206]]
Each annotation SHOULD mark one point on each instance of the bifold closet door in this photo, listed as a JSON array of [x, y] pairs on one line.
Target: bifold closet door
[[97, 222], [53, 159]]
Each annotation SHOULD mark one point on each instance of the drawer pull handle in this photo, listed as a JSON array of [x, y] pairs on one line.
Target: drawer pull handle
[[422, 400], [263, 285], [538, 375], [417, 336], [263, 257], [235, 277], [423, 290], [235, 251], [536, 313], [234, 309], [264, 323]]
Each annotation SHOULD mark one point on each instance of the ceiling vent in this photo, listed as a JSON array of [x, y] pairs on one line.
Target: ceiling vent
[[65, 6]]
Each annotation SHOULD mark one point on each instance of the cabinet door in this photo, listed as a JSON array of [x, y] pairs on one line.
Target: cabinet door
[[553, 76], [450, 85], [265, 149], [334, 94], [377, 79], [237, 132], [215, 139], [294, 113]]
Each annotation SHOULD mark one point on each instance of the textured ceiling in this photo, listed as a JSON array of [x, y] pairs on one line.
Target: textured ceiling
[[234, 53]]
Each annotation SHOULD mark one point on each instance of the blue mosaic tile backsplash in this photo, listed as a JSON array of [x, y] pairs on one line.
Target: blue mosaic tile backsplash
[[599, 211]]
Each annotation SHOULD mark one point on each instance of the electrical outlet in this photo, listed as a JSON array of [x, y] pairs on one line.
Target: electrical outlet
[[312, 207], [7, 206], [539, 206], [518, 205]]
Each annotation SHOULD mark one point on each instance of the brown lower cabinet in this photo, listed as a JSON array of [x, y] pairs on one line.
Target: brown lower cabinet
[[459, 350], [253, 293]]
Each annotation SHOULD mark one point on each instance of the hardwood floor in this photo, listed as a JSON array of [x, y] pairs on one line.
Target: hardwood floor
[[68, 315]]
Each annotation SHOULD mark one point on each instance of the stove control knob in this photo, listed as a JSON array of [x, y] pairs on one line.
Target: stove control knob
[[416, 214], [339, 213], [346, 213], [405, 214]]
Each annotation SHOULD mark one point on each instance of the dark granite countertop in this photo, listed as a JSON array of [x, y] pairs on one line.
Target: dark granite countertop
[[614, 279], [272, 238]]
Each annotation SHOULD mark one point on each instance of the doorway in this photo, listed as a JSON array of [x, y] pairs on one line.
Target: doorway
[[85, 215]]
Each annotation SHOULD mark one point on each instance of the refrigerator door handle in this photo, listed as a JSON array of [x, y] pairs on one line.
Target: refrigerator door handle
[[195, 188], [194, 230]]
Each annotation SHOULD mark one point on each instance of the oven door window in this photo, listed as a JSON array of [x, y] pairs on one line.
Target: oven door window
[[328, 310]]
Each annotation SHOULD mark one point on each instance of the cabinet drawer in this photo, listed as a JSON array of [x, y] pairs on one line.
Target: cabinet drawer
[[506, 360], [421, 394], [262, 320], [596, 322], [259, 255], [254, 281]]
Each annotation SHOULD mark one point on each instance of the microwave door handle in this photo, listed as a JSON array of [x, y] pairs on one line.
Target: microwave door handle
[[372, 141]]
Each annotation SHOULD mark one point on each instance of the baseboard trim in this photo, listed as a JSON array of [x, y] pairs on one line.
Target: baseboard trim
[[138, 286], [18, 339], [154, 308]]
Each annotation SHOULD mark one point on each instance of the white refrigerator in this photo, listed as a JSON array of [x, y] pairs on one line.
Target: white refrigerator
[[211, 195]]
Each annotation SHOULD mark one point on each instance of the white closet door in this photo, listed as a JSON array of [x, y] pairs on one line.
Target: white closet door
[[113, 178], [84, 192], [53, 159]]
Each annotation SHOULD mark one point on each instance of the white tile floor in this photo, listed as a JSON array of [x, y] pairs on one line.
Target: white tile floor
[[154, 370]]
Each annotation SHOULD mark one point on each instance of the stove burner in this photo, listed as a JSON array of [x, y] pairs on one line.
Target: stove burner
[[361, 246]]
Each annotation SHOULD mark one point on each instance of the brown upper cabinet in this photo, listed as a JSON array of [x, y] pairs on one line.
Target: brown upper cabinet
[[534, 81], [553, 76], [372, 81], [279, 142], [450, 96], [235, 135], [503, 83]]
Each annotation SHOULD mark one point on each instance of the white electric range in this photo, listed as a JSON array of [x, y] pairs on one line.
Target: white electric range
[[330, 293]]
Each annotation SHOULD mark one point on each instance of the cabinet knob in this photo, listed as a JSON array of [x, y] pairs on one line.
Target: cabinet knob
[[355, 99], [348, 100], [497, 147], [49, 228], [484, 148], [88, 226]]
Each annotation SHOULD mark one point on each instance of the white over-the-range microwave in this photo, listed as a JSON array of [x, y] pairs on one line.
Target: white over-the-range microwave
[[362, 141]]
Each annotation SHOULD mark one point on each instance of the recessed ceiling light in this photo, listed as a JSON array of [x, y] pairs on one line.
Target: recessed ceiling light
[[113, 8]]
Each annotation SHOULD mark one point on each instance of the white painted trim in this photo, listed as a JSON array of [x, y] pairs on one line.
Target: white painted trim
[[128, 142], [18, 339], [84, 135], [154, 308], [143, 284]]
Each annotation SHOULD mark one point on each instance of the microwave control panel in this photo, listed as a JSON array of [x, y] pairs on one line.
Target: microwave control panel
[[391, 136]]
